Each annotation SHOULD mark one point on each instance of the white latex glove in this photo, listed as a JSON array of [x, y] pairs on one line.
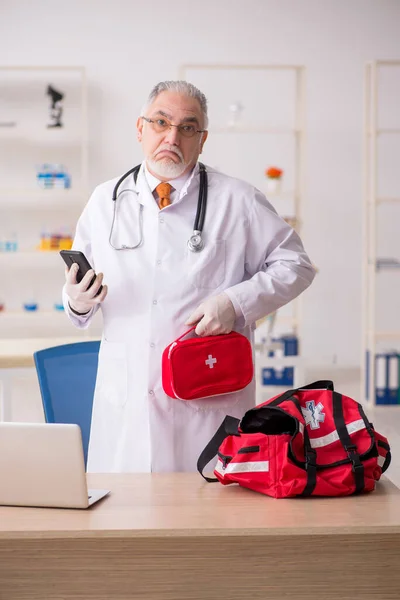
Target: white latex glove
[[214, 316], [80, 297]]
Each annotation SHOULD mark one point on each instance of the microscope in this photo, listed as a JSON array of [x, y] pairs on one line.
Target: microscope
[[55, 108]]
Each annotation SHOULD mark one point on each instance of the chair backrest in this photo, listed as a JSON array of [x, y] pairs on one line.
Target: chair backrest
[[67, 377]]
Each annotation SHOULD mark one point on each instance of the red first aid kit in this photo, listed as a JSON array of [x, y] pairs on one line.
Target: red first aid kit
[[206, 366], [311, 441]]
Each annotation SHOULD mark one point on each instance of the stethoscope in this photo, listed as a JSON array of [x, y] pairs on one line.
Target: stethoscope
[[195, 242]]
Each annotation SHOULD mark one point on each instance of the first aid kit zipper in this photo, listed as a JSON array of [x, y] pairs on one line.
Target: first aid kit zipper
[[171, 349]]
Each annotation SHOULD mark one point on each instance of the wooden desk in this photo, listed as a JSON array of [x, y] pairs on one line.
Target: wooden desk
[[173, 537]]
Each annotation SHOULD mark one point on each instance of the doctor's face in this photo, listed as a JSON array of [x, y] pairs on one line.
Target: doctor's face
[[171, 151]]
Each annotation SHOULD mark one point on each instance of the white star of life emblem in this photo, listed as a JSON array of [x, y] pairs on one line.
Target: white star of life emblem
[[312, 414]]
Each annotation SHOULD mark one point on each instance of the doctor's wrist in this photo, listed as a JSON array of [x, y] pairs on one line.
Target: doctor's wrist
[[80, 314]]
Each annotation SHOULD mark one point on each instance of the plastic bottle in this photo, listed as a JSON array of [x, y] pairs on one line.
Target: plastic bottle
[[11, 243], [48, 176], [14, 242], [59, 177]]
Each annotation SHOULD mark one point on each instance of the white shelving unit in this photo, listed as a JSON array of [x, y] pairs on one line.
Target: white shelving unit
[[26, 210], [286, 85], [376, 266]]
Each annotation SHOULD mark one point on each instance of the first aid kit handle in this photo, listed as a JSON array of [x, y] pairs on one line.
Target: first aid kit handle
[[189, 330], [186, 333]]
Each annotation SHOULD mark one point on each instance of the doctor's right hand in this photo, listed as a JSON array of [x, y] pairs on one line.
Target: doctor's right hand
[[81, 297]]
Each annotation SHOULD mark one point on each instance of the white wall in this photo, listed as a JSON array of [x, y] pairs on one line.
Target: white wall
[[128, 46]]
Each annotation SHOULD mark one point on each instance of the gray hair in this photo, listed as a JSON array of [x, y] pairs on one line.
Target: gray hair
[[181, 87]]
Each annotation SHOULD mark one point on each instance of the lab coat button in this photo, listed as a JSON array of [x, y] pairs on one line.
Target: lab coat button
[[154, 301], [159, 262], [151, 392], [152, 345], [161, 220]]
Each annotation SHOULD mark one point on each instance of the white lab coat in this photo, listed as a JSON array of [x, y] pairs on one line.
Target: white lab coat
[[250, 253]]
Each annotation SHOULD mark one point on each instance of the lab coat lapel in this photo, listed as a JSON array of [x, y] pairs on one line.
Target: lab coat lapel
[[126, 231], [146, 197]]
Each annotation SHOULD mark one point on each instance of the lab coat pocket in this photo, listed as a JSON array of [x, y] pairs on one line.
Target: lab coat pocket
[[207, 268], [111, 385]]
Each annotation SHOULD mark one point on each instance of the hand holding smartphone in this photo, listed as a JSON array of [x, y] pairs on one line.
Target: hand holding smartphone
[[71, 257], [84, 290]]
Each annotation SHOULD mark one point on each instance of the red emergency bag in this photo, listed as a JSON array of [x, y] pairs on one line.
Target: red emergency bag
[[311, 441], [200, 367]]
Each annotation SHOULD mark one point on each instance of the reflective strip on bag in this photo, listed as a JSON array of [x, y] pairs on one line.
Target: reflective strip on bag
[[325, 440], [261, 466], [381, 460]]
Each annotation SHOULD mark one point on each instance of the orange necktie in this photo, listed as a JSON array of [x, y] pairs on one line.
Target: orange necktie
[[164, 191]]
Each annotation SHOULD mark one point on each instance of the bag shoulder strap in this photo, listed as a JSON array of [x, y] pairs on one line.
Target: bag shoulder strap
[[350, 448], [229, 426]]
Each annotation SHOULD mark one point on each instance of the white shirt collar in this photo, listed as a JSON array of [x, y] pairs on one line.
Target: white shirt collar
[[180, 184]]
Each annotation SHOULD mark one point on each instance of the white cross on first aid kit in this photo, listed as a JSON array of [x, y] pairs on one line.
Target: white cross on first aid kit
[[211, 361]]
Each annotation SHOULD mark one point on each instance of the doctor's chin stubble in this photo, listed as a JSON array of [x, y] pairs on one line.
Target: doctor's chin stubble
[[165, 166]]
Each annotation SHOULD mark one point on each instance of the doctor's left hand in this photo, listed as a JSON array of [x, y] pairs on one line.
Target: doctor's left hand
[[214, 316]]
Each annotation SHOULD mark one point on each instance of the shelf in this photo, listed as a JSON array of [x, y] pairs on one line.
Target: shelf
[[27, 210], [383, 200], [385, 335], [20, 314], [261, 130], [21, 350], [38, 199], [288, 320], [42, 68], [387, 264], [250, 67], [285, 194], [375, 267], [39, 192], [383, 131], [264, 361], [11, 134], [232, 128], [22, 258], [29, 253]]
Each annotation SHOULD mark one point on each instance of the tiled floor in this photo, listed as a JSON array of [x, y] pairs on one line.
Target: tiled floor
[[26, 403]]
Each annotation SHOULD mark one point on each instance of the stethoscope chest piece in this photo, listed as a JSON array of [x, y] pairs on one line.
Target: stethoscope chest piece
[[195, 242]]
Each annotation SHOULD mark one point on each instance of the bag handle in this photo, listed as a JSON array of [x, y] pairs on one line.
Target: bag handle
[[317, 385], [186, 333], [194, 327], [229, 426]]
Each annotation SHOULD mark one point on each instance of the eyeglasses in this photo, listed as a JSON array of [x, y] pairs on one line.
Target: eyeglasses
[[162, 125]]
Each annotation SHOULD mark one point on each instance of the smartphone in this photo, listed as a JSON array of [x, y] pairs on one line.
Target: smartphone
[[75, 256]]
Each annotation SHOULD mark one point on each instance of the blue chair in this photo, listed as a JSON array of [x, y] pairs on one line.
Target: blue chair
[[67, 377]]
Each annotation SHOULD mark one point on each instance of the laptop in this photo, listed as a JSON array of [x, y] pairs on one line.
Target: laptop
[[42, 464]]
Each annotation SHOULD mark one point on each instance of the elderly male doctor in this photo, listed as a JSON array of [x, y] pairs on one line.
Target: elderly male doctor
[[252, 263]]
